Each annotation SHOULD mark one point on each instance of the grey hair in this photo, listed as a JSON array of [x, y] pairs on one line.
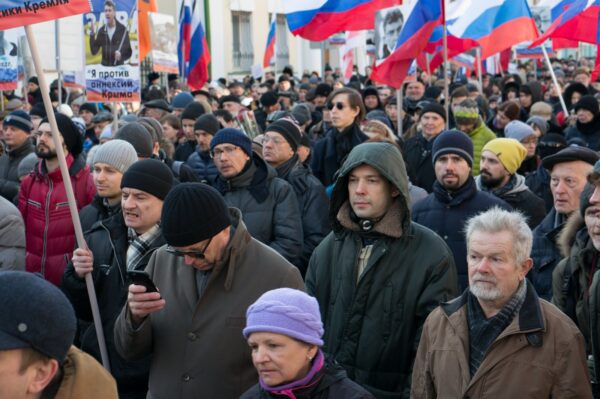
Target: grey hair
[[496, 220]]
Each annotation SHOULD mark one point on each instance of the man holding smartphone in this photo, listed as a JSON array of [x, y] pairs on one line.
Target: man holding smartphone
[[209, 272], [118, 244]]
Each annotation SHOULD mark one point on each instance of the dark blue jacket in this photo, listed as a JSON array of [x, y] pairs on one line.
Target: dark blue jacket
[[419, 164], [545, 254], [329, 152], [539, 184], [588, 132], [446, 213], [203, 166]]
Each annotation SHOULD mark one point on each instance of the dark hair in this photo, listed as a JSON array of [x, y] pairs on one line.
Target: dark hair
[[223, 113], [354, 99], [171, 120], [392, 16], [110, 3]]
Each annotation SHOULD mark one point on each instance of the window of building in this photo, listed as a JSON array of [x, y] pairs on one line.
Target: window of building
[[243, 53]]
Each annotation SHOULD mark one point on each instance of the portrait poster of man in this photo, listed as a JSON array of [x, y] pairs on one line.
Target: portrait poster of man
[[164, 43], [388, 25], [9, 60], [111, 51]]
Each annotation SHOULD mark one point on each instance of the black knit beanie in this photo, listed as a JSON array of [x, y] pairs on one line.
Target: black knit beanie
[[71, 135], [588, 103], [436, 108], [209, 123], [288, 129], [149, 175], [192, 111], [193, 212], [584, 200]]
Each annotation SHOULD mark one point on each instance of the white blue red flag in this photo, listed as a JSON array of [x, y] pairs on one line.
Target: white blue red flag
[[316, 20], [579, 22], [422, 18], [192, 48], [495, 25], [270, 49]]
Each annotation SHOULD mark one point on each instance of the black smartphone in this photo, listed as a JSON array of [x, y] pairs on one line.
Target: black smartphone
[[140, 277]]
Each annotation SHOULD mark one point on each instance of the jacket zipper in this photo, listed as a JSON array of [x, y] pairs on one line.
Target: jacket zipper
[[46, 225], [114, 252]]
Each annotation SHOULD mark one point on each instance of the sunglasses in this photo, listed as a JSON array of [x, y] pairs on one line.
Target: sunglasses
[[339, 105], [191, 254]]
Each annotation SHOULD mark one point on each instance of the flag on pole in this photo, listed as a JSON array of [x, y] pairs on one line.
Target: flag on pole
[[579, 22], [316, 20], [557, 7], [270, 49], [422, 18], [15, 13], [145, 43], [495, 25], [193, 51], [353, 40]]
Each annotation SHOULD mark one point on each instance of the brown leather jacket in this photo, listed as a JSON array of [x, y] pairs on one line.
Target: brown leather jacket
[[541, 354]]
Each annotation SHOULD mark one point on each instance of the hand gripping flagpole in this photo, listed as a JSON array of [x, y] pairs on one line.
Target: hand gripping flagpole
[[558, 88], [64, 170]]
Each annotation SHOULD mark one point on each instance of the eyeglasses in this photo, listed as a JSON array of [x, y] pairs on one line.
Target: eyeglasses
[[192, 254], [339, 105], [218, 152]]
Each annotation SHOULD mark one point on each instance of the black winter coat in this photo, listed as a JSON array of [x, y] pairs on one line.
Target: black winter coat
[[545, 253], [331, 382], [446, 213], [184, 150], [419, 164], [313, 204], [9, 163], [96, 211], [108, 242], [203, 166], [539, 184], [329, 152]]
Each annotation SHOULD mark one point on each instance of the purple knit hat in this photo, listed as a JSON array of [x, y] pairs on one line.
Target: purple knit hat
[[286, 311]]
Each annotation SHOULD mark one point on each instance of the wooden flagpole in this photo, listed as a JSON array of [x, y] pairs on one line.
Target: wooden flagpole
[[64, 170]]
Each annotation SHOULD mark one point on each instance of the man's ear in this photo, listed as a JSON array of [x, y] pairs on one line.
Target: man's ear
[[395, 192], [526, 266], [41, 374]]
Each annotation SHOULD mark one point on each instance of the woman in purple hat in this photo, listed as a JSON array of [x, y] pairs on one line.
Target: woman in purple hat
[[284, 332]]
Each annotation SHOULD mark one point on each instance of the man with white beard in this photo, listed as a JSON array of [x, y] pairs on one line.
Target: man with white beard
[[498, 339]]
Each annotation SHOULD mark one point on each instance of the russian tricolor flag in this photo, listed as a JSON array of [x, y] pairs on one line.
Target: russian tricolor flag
[[495, 25], [193, 52], [423, 17], [316, 20], [579, 22], [270, 50]]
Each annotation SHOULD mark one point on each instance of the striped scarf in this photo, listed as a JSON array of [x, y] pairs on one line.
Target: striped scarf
[[139, 245]]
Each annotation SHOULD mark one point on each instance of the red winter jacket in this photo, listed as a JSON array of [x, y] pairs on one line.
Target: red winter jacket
[[49, 232]]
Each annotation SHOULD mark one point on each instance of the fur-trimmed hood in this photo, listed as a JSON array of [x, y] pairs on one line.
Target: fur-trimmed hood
[[573, 230]]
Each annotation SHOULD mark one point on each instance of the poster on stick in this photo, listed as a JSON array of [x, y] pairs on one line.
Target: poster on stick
[[15, 13], [112, 71], [164, 43], [9, 58]]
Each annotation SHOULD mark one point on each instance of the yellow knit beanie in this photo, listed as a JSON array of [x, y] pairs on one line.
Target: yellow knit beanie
[[509, 151]]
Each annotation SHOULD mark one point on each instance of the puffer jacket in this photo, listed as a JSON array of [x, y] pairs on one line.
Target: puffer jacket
[[49, 233], [480, 136], [588, 132], [540, 355], [447, 213], [9, 163], [575, 286], [269, 207], [108, 241], [313, 203], [331, 382], [372, 326], [203, 166], [520, 198], [12, 237], [545, 253], [329, 152]]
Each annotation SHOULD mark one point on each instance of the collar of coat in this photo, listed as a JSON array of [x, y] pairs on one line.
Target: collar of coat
[[387, 226], [530, 320]]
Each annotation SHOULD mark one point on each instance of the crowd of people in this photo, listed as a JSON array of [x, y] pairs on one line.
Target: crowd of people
[[302, 237]]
